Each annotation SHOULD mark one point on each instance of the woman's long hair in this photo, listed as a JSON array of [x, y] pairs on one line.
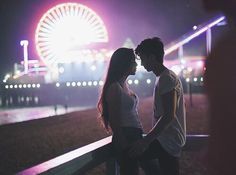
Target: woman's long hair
[[120, 63]]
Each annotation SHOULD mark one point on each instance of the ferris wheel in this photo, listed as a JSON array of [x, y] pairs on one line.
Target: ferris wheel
[[66, 28]]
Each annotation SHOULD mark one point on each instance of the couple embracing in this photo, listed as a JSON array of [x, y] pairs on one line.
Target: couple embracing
[[118, 108]]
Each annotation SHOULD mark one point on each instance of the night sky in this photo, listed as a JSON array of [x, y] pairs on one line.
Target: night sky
[[136, 19]]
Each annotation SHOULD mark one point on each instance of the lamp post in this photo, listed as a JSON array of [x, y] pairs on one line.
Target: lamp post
[[25, 43]]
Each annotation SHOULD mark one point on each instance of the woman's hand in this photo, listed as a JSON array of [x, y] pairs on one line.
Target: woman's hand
[[138, 147]]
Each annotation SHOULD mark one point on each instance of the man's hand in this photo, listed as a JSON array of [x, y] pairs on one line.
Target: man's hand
[[138, 147]]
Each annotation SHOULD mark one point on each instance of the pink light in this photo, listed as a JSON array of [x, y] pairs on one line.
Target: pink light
[[200, 64], [67, 157], [192, 36], [25, 44], [65, 28]]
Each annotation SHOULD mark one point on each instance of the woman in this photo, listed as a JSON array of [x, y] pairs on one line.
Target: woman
[[118, 108]]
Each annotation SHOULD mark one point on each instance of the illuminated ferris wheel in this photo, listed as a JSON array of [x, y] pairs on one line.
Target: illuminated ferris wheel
[[64, 29]]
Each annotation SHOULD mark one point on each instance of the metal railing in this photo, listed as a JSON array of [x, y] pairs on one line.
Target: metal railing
[[206, 27], [83, 159]]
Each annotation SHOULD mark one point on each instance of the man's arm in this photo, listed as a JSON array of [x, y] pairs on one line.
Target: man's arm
[[169, 101]]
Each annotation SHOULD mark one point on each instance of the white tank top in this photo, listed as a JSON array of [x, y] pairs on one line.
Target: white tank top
[[128, 108]]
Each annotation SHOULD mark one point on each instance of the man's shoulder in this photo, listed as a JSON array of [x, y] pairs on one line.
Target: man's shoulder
[[168, 75]]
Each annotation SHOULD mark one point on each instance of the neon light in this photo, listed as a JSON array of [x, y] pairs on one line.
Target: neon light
[[208, 40], [136, 81], [194, 35], [25, 43], [194, 27], [130, 81], [95, 83], [100, 83], [148, 81], [65, 28]]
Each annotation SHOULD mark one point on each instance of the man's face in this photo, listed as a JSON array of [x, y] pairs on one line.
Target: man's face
[[150, 63], [145, 62]]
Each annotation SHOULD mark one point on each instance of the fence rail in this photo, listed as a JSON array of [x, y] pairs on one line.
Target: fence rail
[[83, 159]]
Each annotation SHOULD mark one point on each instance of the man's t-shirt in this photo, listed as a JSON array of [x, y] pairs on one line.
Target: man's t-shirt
[[172, 138]]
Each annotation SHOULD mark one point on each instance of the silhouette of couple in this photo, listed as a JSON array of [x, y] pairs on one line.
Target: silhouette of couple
[[118, 109], [118, 106]]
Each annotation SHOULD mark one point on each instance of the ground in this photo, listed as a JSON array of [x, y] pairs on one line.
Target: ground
[[25, 144]]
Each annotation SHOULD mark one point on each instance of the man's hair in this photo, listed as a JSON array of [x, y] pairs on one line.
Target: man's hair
[[151, 46]]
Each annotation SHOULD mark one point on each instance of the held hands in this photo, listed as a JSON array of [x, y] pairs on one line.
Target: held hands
[[138, 147]]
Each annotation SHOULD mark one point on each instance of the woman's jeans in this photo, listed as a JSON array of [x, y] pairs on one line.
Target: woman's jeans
[[128, 165]]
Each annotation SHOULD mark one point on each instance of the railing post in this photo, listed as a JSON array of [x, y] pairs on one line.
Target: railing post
[[208, 40], [112, 167]]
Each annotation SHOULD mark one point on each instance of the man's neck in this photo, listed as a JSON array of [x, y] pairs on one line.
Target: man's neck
[[159, 70]]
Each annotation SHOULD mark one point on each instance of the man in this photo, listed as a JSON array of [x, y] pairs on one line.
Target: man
[[168, 135], [220, 81]]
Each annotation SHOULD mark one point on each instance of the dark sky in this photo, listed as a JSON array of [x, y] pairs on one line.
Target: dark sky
[[137, 19]]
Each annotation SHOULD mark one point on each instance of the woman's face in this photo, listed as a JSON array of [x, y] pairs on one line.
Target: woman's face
[[133, 67]]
